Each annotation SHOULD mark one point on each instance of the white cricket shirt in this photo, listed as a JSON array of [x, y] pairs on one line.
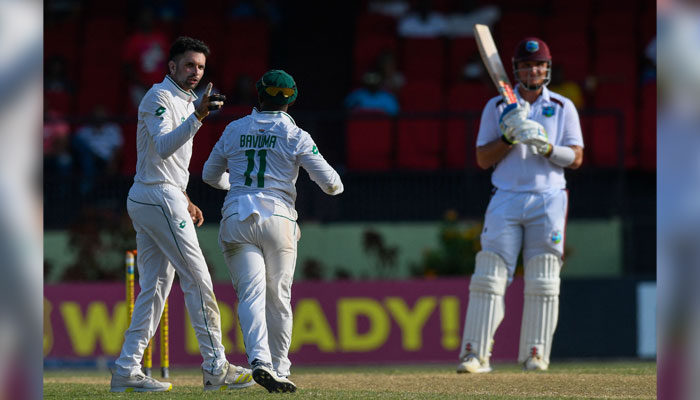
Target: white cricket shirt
[[164, 135], [520, 170], [263, 152]]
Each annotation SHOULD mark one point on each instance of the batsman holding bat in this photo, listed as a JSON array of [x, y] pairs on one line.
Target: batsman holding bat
[[164, 219], [529, 143]]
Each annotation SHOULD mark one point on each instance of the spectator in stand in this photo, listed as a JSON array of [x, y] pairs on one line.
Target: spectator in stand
[[461, 23], [370, 98], [392, 79], [57, 156], [145, 56], [98, 145], [256, 9], [423, 23], [58, 88], [56, 76], [389, 8]]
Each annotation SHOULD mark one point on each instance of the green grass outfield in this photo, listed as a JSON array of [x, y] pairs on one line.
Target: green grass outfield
[[564, 380]]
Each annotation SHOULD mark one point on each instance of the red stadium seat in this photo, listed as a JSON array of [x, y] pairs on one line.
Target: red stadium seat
[[366, 51], [375, 25], [461, 51], [129, 157], [423, 60], [421, 97], [601, 140], [621, 96], [61, 102], [460, 142], [369, 143], [419, 143], [470, 96]]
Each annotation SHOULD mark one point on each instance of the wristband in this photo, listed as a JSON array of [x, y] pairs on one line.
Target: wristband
[[562, 156], [506, 141]]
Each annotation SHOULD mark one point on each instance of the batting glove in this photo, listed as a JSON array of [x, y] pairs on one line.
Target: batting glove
[[511, 117]]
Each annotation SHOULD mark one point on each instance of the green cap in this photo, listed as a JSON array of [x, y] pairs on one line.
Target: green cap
[[277, 86]]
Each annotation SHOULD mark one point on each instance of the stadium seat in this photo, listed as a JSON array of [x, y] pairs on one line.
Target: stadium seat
[[369, 143], [421, 97], [366, 51], [375, 25], [129, 155], [460, 140], [62, 102], [621, 97], [423, 60], [600, 133], [419, 143], [470, 96], [460, 52]]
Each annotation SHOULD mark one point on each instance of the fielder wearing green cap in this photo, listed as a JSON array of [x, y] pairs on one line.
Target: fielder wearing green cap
[[257, 160], [276, 87]]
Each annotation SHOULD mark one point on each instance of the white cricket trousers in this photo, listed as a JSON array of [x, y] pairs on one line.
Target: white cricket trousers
[[261, 258], [167, 243]]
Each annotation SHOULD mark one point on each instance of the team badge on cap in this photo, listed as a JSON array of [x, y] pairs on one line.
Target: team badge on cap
[[532, 46]]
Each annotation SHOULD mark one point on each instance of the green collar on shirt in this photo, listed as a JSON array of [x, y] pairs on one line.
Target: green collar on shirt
[[276, 113], [181, 90]]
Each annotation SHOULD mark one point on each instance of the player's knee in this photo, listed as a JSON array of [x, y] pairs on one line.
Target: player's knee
[[490, 274], [542, 275]]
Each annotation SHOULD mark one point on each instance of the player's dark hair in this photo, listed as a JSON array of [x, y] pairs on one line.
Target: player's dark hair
[[184, 44]]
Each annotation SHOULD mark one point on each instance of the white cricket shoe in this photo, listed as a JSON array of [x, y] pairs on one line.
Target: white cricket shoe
[[232, 377], [137, 382], [266, 377], [471, 364], [535, 363]]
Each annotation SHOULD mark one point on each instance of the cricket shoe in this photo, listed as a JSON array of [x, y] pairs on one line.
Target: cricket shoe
[[265, 376], [137, 382], [232, 377], [535, 363], [471, 364]]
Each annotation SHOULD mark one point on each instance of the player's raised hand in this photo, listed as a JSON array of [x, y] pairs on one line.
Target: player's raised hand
[[210, 102], [511, 117]]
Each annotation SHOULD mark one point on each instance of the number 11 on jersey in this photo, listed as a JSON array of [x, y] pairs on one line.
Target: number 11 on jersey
[[262, 155]]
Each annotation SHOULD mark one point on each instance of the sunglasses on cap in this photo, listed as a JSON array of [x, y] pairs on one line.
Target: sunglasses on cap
[[274, 91]]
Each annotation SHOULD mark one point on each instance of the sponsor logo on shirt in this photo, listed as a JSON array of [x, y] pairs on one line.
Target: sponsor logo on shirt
[[182, 119], [548, 111], [557, 237], [314, 150], [160, 111]]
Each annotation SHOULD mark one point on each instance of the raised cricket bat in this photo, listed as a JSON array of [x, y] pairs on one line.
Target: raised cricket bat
[[492, 62]]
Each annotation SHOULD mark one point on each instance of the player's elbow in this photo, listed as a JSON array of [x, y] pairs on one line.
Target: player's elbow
[[482, 162], [578, 158]]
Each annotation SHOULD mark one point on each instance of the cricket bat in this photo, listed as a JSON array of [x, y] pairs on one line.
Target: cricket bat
[[492, 62]]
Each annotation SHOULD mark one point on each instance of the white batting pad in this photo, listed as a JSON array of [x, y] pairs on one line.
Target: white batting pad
[[486, 306], [541, 307]]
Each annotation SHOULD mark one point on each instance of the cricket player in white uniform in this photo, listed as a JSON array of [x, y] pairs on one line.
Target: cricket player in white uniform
[[164, 219], [263, 152], [529, 144]]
